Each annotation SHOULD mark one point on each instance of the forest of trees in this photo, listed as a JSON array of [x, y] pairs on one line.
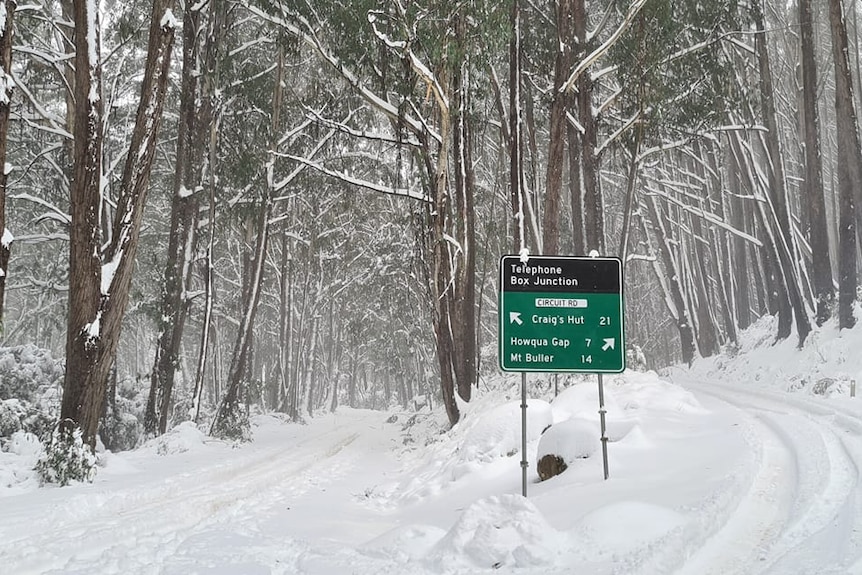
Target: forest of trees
[[297, 204]]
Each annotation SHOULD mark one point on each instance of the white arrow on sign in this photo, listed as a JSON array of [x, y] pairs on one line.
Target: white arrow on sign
[[515, 317], [610, 342]]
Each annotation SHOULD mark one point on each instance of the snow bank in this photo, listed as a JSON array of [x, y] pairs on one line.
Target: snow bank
[[827, 363], [18, 456], [497, 433], [182, 438], [498, 531]]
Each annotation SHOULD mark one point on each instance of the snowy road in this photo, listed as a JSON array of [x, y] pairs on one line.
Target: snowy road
[[706, 479], [155, 524], [802, 512]]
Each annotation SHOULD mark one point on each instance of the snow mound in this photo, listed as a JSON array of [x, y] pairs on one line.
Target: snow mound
[[646, 390], [626, 525], [406, 543], [184, 437], [497, 433], [505, 530], [18, 456], [582, 401], [570, 440]]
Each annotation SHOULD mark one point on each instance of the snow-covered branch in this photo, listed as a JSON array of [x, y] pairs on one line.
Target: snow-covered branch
[[297, 25], [593, 57], [404, 192]]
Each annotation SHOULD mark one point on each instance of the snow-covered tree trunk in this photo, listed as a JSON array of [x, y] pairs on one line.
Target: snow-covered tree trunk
[[849, 168], [99, 283], [563, 63], [7, 11], [790, 295], [673, 285], [191, 136], [515, 140], [812, 184], [464, 296], [86, 362], [228, 421], [739, 262], [594, 223]]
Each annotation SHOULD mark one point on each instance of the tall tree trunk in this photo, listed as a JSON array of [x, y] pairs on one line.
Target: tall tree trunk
[[576, 196], [557, 129], [99, 290], [464, 295], [812, 186], [84, 386], [849, 168], [7, 12], [209, 287], [229, 421], [792, 302], [516, 165], [191, 130], [670, 281], [593, 208], [739, 270]]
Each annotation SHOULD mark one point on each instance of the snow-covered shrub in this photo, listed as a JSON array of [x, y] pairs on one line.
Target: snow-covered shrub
[[10, 417], [18, 415], [66, 458], [119, 431], [233, 426], [30, 382], [25, 372]]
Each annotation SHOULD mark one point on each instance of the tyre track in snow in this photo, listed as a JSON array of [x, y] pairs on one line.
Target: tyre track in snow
[[802, 513], [136, 530]]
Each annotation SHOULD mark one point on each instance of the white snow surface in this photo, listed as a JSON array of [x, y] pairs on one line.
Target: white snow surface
[[747, 463]]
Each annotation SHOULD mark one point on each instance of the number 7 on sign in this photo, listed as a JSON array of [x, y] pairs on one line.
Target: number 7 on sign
[[589, 341]]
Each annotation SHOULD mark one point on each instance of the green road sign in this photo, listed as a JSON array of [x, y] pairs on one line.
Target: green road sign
[[561, 314]]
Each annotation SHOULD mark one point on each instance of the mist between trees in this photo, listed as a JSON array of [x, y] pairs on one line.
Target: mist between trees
[[217, 206]]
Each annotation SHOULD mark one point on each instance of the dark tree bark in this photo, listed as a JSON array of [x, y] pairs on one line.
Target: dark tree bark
[[849, 168], [99, 284], [594, 223], [516, 164], [7, 11], [181, 240], [812, 186], [464, 304], [576, 197], [86, 373], [557, 129]]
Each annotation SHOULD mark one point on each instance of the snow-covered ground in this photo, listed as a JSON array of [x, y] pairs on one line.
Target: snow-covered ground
[[746, 464]]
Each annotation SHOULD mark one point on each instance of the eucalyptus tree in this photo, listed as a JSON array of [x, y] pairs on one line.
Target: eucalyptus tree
[[419, 84], [99, 281], [670, 100], [203, 31]]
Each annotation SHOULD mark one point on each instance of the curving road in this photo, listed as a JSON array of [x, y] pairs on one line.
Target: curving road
[[802, 511]]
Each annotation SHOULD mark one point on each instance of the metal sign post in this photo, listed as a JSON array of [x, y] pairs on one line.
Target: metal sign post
[[604, 437], [524, 463], [561, 314]]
